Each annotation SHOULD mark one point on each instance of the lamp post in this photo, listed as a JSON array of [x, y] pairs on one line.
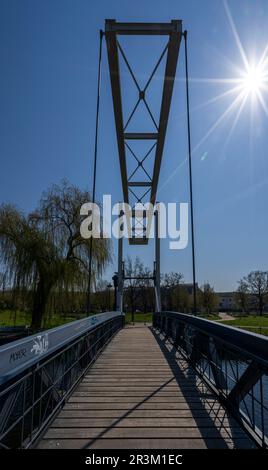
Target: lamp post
[[109, 286], [115, 281]]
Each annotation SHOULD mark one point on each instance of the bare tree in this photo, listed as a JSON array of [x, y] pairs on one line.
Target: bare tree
[[181, 298], [145, 286], [242, 296], [133, 270], [171, 284], [256, 283], [209, 299]]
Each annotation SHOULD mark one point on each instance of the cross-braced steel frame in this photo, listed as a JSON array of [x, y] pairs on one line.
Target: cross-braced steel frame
[[149, 183], [139, 222], [139, 226]]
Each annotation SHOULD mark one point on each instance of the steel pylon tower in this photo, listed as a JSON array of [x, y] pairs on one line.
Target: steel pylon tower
[[139, 223]]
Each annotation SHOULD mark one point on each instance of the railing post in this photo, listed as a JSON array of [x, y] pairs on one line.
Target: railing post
[[157, 264], [214, 361], [119, 306], [177, 335]]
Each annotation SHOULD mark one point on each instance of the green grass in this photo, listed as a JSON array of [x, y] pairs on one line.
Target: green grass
[[139, 318], [212, 316], [147, 317], [10, 318], [253, 323]]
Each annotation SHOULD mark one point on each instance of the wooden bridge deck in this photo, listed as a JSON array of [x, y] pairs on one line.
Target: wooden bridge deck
[[142, 394]]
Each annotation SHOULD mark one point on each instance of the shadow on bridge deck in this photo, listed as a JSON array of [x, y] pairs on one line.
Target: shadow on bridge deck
[[141, 393]]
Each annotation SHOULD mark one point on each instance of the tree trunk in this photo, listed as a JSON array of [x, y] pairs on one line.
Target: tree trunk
[[260, 305], [40, 301]]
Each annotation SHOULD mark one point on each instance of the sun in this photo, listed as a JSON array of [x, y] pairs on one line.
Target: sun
[[253, 80]]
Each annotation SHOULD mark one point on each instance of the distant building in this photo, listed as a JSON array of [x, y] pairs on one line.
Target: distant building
[[226, 301], [190, 287]]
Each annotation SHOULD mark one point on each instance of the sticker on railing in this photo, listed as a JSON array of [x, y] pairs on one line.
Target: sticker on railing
[[40, 344]]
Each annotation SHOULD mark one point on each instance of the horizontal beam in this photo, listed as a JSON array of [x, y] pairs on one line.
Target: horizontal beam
[[139, 277], [138, 232], [143, 28], [140, 136], [138, 241], [139, 183]]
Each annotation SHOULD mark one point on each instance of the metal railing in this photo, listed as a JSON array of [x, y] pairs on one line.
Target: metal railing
[[232, 362], [49, 367]]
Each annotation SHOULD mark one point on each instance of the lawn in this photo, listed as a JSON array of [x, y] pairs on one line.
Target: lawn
[[139, 317], [210, 316], [253, 323], [147, 317], [11, 318]]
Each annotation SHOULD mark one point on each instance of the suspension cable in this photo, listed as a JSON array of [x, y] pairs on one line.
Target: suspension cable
[[190, 167], [88, 305]]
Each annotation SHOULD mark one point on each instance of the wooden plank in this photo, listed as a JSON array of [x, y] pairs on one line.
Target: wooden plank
[[156, 413], [147, 386], [141, 443], [129, 422], [164, 405], [137, 393], [133, 401], [143, 406], [132, 380], [133, 388], [150, 432]]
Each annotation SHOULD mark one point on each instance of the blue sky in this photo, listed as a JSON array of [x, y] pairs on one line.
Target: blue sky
[[48, 54]]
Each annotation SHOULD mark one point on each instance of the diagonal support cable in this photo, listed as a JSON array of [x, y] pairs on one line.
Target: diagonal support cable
[[140, 164], [128, 66], [132, 114], [190, 166], [139, 199], [94, 169], [141, 92], [155, 68], [150, 113]]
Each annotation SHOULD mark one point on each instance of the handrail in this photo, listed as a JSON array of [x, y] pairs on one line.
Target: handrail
[[231, 361], [17, 356], [255, 345], [41, 383]]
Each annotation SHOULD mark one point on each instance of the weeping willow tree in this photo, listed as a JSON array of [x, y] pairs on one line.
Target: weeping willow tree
[[44, 251]]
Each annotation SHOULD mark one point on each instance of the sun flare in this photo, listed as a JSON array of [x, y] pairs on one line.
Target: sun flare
[[253, 80], [249, 85]]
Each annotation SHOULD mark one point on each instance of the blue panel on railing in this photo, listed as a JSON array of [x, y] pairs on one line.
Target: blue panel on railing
[[23, 353]]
